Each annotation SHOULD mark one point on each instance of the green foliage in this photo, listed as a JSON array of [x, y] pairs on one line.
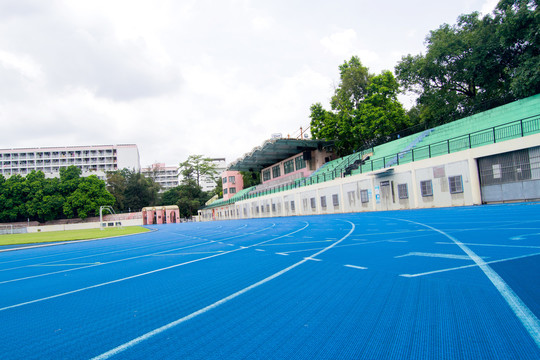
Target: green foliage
[[365, 110], [196, 167], [189, 197], [250, 178], [132, 190], [477, 64], [36, 198]]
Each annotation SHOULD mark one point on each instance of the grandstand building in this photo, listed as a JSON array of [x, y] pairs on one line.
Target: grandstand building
[[92, 159], [489, 157], [166, 176]]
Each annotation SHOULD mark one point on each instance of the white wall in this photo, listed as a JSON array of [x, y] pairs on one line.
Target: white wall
[[307, 200]]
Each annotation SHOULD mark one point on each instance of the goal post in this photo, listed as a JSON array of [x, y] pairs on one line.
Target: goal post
[[104, 224]]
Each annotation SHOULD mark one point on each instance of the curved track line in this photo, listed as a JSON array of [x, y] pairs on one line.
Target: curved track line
[[170, 325], [143, 274], [523, 313]]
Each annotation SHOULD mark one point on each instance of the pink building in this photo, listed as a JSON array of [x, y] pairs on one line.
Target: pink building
[[232, 183], [161, 215]]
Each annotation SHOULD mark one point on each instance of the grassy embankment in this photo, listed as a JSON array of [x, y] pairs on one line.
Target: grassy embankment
[[68, 235]]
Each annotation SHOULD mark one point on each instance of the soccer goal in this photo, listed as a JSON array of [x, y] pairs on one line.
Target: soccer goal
[[103, 224]]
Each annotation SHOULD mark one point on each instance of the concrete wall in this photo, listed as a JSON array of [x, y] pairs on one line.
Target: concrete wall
[[81, 226], [379, 190]]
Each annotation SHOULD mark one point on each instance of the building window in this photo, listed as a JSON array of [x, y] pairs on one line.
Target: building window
[[232, 190], [225, 191], [426, 188], [266, 175], [364, 198], [292, 205], [232, 179], [335, 200], [276, 171], [300, 162], [403, 191], [323, 202], [288, 166], [313, 205], [274, 208], [225, 180], [456, 184]]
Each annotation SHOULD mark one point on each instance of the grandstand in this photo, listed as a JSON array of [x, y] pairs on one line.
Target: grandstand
[[469, 140]]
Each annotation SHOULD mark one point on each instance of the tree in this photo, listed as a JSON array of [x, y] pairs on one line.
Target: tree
[[86, 200], [132, 190], [196, 167], [477, 64], [365, 110], [189, 197]]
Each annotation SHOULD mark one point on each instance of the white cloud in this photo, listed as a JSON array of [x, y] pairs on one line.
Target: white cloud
[[488, 6], [342, 44]]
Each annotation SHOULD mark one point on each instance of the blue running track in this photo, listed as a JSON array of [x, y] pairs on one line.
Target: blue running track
[[455, 283]]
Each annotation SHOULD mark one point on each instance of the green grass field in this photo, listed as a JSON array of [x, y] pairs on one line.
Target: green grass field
[[68, 235]]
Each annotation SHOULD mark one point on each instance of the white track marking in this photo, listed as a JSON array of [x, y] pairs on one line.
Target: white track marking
[[101, 264], [446, 256], [284, 254], [523, 313], [467, 266], [300, 242], [496, 245], [39, 265], [259, 250], [312, 259], [356, 267], [140, 274], [117, 350]]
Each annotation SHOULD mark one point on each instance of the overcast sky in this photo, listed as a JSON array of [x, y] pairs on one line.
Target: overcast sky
[[181, 77]]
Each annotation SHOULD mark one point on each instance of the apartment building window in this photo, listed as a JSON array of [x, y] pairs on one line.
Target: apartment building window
[[232, 179], [403, 191], [225, 180], [266, 175], [276, 171], [232, 190], [456, 184], [426, 187], [288, 166], [225, 191]]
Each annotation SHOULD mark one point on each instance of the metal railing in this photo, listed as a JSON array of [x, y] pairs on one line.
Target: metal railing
[[508, 131]]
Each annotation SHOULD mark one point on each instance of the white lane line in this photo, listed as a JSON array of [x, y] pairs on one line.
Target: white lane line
[[445, 256], [40, 265], [300, 242], [467, 266], [523, 313], [170, 325], [496, 245], [190, 253], [136, 275], [100, 264], [356, 267], [284, 254], [259, 250], [312, 259]]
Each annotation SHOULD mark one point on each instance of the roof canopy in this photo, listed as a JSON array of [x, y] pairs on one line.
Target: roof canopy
[[275, 150]]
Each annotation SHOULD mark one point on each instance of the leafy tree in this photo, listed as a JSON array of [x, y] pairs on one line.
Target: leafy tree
[[477, 64], [250, 178], [365, 110], [196, 167], [86, 200], [132, 190], [189, 197]]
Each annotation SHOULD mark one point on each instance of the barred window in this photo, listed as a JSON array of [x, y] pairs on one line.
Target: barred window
[[292, 205], [403, 191], [273, 207], [288, 166], [266, 175], [364, 196], [300, 163], [313, 205], [456, 184], [323, 202], [276, 171], [426, 188], [335, 200]]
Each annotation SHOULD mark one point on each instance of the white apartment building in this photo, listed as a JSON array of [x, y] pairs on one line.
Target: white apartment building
[[166, 176], [91, 159], [208, 183]]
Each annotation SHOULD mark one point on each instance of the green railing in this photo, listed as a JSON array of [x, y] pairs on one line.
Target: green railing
[[508, 131]]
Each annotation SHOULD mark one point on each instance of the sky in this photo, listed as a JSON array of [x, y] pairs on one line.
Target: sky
[[180, 77]]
